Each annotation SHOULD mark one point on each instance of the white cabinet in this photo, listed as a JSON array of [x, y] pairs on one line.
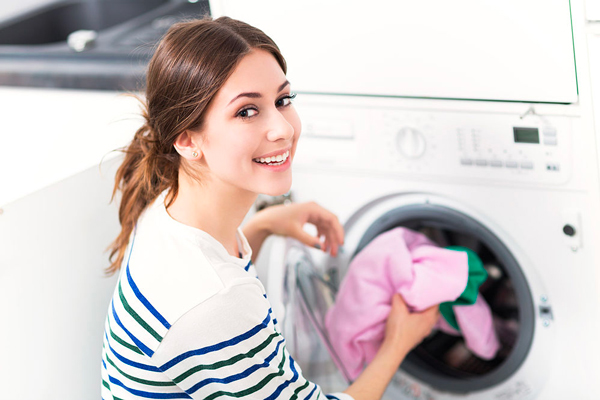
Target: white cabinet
[[470, 49]]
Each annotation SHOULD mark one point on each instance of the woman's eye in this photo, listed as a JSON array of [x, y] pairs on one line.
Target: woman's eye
[[286, 100], [247, 113]]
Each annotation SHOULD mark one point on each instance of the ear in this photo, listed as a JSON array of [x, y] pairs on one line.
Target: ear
[[188, 146]]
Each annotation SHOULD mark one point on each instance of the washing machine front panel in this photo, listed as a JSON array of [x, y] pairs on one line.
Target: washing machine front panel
[[361, 172]]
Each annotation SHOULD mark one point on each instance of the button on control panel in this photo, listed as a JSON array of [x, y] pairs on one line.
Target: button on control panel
[[527, 165]]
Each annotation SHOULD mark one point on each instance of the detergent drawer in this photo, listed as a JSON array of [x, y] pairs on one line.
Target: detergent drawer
[[510, 50]]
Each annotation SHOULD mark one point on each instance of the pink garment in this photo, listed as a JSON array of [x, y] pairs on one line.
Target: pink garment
[[405, 262]]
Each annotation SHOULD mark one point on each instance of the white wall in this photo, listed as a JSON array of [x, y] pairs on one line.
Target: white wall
[[55, 225], [56, 222]]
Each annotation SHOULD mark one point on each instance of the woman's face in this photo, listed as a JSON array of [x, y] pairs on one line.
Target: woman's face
[[251, 128]]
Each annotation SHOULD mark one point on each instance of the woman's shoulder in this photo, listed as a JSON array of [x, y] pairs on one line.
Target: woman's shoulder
[[177, 267]]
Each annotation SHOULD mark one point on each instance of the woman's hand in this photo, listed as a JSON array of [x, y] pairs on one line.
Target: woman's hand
[[289, 220], [405, 330]]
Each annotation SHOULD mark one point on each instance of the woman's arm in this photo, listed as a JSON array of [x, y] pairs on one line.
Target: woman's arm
[[289, 220], [404, 330]]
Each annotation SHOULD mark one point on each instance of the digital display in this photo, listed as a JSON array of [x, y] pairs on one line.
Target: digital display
[[526, 135]]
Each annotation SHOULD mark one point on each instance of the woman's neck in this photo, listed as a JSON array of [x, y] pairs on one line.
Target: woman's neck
[[213, 207]]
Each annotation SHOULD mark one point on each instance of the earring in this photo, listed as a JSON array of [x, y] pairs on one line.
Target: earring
[[195, 154]]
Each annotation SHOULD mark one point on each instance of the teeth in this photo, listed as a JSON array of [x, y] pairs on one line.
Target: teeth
[[274, 160]]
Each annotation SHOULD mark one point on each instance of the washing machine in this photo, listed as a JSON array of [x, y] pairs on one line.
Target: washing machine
[[463, 174], [472, 123]]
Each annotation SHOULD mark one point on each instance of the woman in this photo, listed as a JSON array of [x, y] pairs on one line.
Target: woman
[[188, 318]]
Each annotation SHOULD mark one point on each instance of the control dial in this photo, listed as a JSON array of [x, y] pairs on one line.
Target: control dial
[[410, 142]]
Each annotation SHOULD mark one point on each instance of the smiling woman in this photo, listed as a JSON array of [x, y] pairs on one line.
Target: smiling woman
[[188, 318]]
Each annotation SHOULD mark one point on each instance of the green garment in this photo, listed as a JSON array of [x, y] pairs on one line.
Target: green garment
[[477, 275]]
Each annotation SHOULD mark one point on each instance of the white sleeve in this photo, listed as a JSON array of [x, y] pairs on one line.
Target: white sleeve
[[228, 346]]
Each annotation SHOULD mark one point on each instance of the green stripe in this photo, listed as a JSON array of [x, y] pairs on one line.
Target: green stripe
[[106, 385], [139, 380], [230, 361], [254, 388], [137, 317], [295, 396], [121, 341]]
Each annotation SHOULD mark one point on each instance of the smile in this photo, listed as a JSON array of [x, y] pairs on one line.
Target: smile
[[273, 160]]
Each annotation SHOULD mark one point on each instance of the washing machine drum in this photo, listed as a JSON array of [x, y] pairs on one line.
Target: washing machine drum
[[441, 361]]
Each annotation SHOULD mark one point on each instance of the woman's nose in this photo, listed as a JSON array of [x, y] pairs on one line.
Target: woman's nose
[[279, 128]]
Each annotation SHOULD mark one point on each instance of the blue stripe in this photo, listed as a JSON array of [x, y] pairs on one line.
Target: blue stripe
[[330, 396], [271, 312], [143, 299], [103, 363], [287, 383], [248, 266], [130, 362], [311, 393], [138, 294], [218, 346], [137, 342], [239, 376], [150, 395]]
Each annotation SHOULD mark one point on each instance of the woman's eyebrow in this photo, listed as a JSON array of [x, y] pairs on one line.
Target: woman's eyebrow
[[256, 95], [284, 84]]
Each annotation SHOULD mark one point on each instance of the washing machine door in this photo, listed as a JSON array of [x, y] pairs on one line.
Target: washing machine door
[[302, 302], [441, 367]]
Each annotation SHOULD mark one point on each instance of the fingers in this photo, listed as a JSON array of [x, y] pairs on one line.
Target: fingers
[[434, 311], [328, 226], [307, 239], [399, 303], [397, 300], [431, 315]]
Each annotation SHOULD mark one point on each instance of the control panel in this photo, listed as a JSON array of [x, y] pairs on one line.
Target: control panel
[[459, 144]]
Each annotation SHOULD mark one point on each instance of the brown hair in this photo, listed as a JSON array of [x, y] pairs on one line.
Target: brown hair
[[190, 65]]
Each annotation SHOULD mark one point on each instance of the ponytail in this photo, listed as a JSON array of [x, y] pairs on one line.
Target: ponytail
[[144, 174]]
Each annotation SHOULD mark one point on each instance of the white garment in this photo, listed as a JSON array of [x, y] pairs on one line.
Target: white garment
[[188, 320]]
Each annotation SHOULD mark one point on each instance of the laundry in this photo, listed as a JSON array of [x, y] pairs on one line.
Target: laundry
[[407, 262]]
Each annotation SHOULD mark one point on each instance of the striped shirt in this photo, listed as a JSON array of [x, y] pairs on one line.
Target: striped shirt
[[188, 320]]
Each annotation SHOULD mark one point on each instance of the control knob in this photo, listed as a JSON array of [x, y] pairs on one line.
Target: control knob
[[410, 142]]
